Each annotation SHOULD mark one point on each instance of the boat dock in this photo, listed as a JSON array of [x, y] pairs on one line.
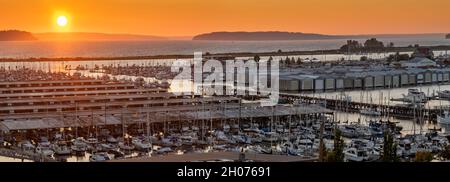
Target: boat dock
[[403, 111]]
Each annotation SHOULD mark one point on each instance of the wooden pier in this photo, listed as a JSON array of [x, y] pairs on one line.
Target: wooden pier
[[401, 111]]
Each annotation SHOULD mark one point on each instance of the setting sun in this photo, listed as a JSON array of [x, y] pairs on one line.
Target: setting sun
[[62, 21]]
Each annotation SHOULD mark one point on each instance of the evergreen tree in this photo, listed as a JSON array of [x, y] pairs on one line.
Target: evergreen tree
[[288, 61], [322, 151], [389, 148], [338, 146], [337, 154], [256, 58]]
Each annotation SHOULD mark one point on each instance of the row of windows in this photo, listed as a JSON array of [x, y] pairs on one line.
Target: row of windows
[[101, 107], [62, 90], [49, 84]]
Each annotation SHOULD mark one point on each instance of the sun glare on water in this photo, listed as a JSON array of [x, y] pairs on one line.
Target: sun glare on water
[[61, 21]]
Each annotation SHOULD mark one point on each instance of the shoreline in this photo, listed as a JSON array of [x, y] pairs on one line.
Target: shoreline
[[231, 54]]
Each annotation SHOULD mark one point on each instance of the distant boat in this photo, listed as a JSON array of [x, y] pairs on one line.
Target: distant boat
[[141, 144], [355, 155], [61, 148], [415, 96]]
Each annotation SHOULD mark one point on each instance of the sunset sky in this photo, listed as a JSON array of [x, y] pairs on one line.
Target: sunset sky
[[191, 17]]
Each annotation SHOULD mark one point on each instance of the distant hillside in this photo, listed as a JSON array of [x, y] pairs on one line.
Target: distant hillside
[[16, 35], [69, 36], [447, 36], [248, 36]]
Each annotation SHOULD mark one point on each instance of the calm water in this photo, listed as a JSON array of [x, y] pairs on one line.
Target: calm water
[[143, 48]]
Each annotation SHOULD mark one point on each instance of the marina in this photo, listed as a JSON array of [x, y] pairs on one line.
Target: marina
[[77, 112], [210, 90]]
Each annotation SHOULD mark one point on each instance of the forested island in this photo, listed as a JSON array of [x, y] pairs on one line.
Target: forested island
[[256, 36], [16, 35]]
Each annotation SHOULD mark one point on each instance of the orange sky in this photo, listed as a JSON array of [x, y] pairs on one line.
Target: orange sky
[[190, 17]]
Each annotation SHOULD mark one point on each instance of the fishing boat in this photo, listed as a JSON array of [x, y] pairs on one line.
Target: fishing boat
[[26, 145], [141, 144], [187, 140], [91, 141], [44, 142], [106, 147], [43, 148], [79, 141], [415, 96], [164, 150], [111, 139], [355, 155], [349, 131], [99, 157], [79, 147], [61, 148], [219, 147], [444, 119], [125, 146]]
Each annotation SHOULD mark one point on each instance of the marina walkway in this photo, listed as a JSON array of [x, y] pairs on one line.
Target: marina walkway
[[404, 111], [219, 156]]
